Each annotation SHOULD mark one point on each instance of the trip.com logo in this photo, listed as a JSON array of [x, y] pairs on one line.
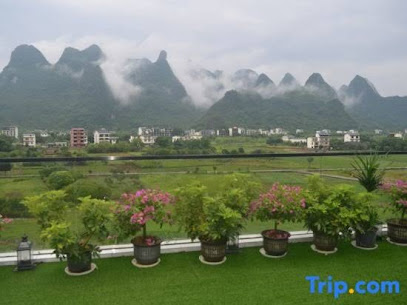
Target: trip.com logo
[[337, 288]]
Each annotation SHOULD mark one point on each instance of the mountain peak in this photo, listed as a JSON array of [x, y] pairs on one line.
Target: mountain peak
[[288, 80], [26, 55], [93, 53], [317, 84], [315, 79], [264, 81], [76, 59], [162, 56], [361, 86]]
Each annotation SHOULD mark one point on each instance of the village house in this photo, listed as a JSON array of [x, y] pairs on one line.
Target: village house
[[320, 141], [79, 138], [103, 136], [29, 139], [351, 137], [293, 140], [10, 131]]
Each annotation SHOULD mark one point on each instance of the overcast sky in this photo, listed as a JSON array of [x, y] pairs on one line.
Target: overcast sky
[[336, 38]]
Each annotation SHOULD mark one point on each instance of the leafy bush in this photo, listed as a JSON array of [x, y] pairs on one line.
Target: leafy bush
[[12, 206], [329, 209], [218, 217], [366, 214], [48, 170], [5, 167], [84, 187], [59, 179], [50, 209]]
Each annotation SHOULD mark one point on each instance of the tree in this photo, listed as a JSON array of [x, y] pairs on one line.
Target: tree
[[6, 143], [5, 167], [60, 179], [163, 142]]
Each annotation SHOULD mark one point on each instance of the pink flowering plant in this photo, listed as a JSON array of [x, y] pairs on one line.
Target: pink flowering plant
[[398, 195], [135, 210], [282, 203]]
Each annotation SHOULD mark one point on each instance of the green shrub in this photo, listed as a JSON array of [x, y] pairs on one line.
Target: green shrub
[[11, 205], [60, 179], [83, 188], [46, 171]]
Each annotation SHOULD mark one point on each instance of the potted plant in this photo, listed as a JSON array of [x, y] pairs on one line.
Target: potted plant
[[397, 227], [364, 220], [132, 214], [214, 219], [71, 232], [282, 203], [328, 213], [368, 171]]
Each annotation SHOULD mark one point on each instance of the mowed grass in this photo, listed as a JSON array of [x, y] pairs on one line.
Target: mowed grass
[[245, 278]]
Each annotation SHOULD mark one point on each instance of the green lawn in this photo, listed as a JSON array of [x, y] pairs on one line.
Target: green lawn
[[245, 278]]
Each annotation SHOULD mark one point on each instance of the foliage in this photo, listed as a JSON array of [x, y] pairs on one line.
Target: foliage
[[218, 217], [50, 209], [84, 187], [5, 167], [47, 207], [164, 146], [6, 143], [274, 140], [289, 111], [134, 146], [368, 172], [329, 209], [11, 205], [59, 179], [135, 210], [282, 203], [398, 195], [366, 214], [48, 170]]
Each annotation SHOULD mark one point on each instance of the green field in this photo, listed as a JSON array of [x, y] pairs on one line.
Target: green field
[[170, 174], [245, 278]]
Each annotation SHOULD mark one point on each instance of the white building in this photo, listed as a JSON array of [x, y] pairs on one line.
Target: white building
[[103, 136], [398, 135], [10, 131], [378, 131], [297, 131], [351, 137], [29, 139], [320, 141], [293, 140], [278, 131], [236, 131]]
